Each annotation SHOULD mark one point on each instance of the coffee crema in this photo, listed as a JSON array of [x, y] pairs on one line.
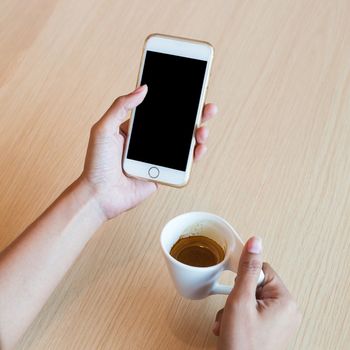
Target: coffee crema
[[198, 251]]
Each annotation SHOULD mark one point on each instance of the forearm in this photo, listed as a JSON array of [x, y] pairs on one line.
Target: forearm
[[32, 266]]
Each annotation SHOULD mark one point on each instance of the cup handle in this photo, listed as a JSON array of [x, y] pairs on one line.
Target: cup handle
[[220, 288], [226, 289]]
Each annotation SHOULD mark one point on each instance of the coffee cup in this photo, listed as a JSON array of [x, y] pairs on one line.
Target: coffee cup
[[199, 282]]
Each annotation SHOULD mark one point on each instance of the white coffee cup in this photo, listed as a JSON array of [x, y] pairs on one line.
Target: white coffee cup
[[199, 282]]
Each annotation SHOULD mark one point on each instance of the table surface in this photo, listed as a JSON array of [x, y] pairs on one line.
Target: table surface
[[277, 166]]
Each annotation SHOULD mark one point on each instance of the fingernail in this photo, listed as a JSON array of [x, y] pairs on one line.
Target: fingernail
[[255, 245], [139, 89], [215, 326]]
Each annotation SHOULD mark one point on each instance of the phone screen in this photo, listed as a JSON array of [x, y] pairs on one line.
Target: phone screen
[[164, 122]]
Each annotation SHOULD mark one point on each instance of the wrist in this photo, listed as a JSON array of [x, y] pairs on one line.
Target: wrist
[[87, 193]]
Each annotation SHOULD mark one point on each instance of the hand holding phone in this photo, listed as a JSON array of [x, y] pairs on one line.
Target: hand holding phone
[[161, 138], [114, 191]]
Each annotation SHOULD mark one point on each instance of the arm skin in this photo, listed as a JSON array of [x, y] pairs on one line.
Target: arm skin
[[33, 265]]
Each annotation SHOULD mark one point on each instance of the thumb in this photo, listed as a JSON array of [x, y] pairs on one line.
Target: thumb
[[116, 114], [217, 323], [249, 268]]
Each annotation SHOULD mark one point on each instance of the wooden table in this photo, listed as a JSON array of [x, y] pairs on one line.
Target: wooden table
[[278, 162]]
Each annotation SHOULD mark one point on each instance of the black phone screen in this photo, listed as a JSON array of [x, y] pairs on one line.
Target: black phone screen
[[164, 122]]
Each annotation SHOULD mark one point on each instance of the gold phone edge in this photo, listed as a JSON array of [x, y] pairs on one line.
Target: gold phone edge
[[205, 96]]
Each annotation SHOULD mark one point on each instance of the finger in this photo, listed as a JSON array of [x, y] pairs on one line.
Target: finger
[[217, 323], [124, 127], [199, 152], [116, 114], [249, 268], [201, 137], [202, 134], [273, 286], [270, 273], [209, 111]]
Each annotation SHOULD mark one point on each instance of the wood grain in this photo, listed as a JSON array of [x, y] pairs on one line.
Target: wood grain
[[278, 162]]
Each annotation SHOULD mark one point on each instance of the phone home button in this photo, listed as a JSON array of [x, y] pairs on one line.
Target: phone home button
[[153, 172]]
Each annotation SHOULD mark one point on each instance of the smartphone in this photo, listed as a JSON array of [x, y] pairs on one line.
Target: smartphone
[[161, 138]]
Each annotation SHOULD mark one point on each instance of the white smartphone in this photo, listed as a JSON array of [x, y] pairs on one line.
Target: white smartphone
[[161, 137]]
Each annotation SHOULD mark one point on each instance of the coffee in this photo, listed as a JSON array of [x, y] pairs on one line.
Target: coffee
[[199, 251]]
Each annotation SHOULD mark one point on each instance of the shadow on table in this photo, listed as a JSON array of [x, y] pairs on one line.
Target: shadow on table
[[192, 321]]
